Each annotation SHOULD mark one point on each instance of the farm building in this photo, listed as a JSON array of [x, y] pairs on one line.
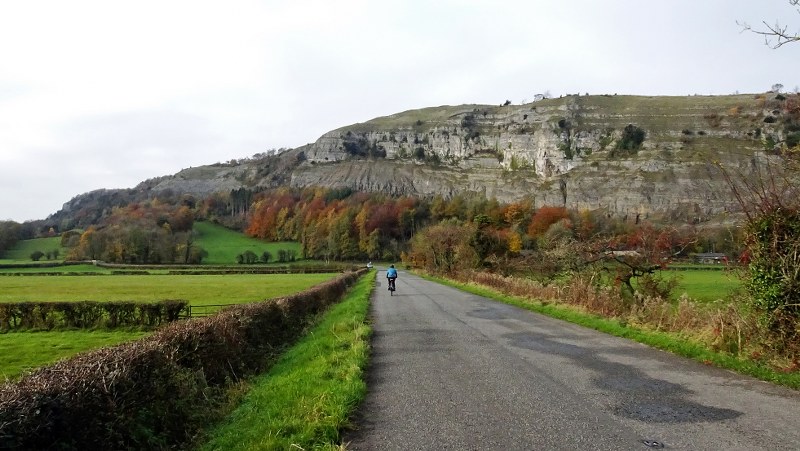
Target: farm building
[[710, 257]]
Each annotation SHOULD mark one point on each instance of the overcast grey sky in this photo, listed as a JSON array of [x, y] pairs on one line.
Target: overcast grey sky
[[105, 94]]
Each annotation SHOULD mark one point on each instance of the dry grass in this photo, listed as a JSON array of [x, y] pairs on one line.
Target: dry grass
[[722, 327]]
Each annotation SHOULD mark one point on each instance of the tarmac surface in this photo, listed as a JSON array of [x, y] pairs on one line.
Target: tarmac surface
[[455, 371]]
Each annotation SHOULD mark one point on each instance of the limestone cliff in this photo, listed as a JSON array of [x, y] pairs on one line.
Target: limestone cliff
[[563, 151], [631, 156]]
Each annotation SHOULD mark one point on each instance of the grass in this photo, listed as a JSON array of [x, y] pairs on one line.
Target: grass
[[21, 351], [197, 289], [22, 250], [707, 285], [223, 245], [661, 340], [305, 400]]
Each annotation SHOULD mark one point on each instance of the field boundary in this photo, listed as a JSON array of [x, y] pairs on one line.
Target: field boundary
[[159, 391]]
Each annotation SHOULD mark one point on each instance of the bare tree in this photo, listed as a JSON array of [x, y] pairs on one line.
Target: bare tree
[[776, 35]]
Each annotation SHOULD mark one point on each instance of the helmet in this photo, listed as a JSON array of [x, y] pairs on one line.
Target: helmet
[[391, 266]]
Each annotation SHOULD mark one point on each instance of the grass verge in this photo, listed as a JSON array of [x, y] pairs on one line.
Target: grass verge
[[306, 398], [661, 340]]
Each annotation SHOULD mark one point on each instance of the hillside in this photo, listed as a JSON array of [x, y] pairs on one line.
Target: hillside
[[632, 156]]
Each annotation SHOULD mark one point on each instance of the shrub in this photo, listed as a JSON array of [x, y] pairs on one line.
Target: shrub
[[632, 138], [792, 139], [88, 314], [773, 281]]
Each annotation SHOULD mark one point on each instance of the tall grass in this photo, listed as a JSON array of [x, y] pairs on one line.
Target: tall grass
[[305, 400]]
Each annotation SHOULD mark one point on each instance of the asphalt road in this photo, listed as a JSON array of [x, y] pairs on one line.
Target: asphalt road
[[451, 370]]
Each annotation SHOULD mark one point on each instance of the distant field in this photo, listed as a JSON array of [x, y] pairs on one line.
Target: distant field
[[223, 245], [706, 285], [197, 289], [21, 252], [20, 351]]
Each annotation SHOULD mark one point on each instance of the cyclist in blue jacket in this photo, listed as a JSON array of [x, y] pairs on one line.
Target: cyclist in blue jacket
[[391, 275]]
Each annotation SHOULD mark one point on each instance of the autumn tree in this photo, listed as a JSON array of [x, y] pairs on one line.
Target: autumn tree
[[640, 254], [543, 218], [444, 247]]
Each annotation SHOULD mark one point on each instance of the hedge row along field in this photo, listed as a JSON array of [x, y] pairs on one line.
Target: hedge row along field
[[88, 314], [156, 392]]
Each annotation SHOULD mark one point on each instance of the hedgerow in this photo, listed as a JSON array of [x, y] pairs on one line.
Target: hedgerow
[[157, 392], [88, 314]]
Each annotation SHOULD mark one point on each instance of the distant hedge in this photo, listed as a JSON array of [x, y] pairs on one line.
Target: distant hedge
[[159, 391], [88, 314]]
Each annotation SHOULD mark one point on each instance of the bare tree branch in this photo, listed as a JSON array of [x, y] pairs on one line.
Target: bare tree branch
[[775, 35]]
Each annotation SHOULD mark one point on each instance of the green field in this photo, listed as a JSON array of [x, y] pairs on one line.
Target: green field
[[706, 285], [21, 252], [223, 245], [20, 351], [197, 289], [23, 350]]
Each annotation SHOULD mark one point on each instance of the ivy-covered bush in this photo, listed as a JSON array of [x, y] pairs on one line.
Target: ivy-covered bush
[[774, 270]]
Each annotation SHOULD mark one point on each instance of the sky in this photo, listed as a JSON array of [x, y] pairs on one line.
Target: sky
[[106, 94]]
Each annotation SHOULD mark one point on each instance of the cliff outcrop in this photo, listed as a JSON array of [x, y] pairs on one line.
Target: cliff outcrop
[[631, 156]]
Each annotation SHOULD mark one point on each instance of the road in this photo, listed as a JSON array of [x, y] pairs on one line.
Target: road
[[452, 370]]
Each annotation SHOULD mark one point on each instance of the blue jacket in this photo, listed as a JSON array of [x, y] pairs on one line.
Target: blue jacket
[[391, 273]]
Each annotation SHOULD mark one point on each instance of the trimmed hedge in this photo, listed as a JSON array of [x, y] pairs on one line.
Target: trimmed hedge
[[88, 314], [157, 392]]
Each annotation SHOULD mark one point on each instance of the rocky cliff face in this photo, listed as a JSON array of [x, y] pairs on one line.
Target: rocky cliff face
[[578, 151], [631, 156]]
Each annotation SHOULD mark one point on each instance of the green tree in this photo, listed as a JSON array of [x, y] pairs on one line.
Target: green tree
[[37, 255], [631, 139]]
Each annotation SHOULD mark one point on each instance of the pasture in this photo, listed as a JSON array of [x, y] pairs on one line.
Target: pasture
[[706, 285], [197, 289], [20, 351], [21, 252], [223, 245]]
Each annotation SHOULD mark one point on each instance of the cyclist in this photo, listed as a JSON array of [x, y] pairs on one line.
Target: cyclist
[[391, 275]]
